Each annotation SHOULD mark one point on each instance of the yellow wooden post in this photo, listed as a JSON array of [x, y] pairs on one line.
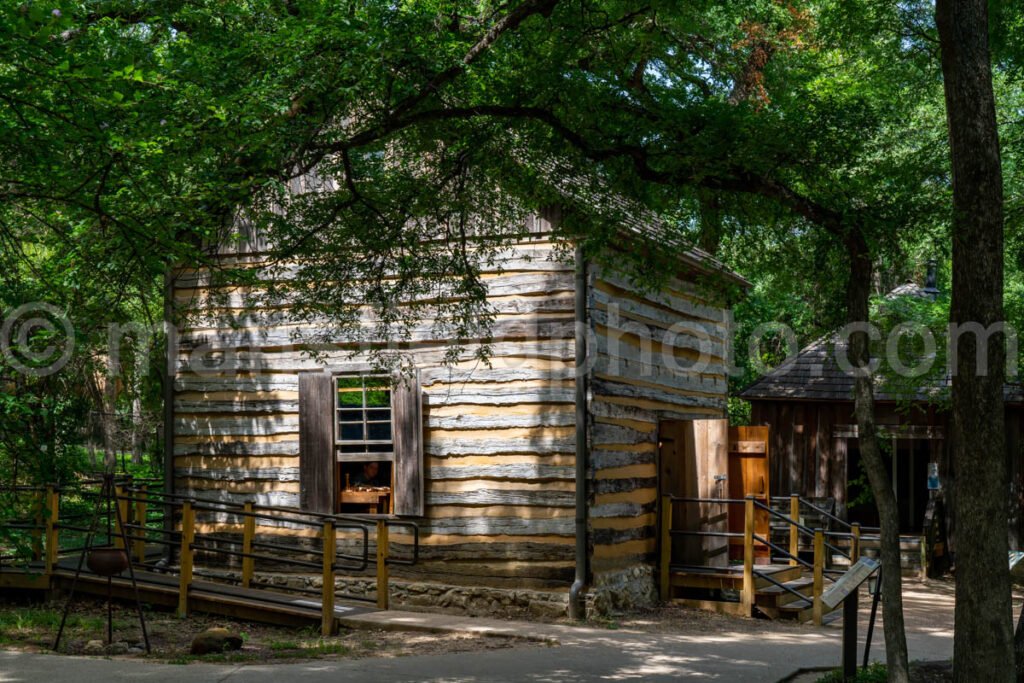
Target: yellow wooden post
[[39, 507], [924, 557], [120, 516], [747, 595], [382, 564], [140, 520], [794, 532], [51, 514], [248, 532], [666, 548], [855, 542], [327, 616], [188, 529], [819, 574]]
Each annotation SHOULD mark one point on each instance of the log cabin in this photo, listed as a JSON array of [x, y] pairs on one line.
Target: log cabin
[[535, 484], [806, 404]]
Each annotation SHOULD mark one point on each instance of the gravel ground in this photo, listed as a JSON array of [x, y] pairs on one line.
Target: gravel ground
[[32, 628]]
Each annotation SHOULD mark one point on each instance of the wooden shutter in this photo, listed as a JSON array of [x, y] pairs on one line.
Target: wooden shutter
[[316, 441], [407, 424]]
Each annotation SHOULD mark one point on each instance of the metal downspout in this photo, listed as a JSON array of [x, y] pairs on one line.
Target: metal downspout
[[577, 606]]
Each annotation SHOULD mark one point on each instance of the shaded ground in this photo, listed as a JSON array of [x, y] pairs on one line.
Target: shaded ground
[[661, 645], [33, 629]]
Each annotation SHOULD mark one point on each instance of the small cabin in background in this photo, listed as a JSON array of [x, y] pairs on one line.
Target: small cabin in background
[[483, 458], [807, 405]]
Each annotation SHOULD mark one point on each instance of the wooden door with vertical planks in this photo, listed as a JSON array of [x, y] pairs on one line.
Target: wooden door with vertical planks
[[692, 456], [748, 476]]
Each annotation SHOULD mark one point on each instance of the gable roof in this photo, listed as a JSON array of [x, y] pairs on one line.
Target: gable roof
[[591, 194], [814, 374]]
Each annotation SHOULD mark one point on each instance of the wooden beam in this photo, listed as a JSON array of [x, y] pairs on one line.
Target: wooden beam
[[794, 532], [665, 547], [139, 544], [120, 517], [382, 564], [52, 540], [328, 622], [819, 574], [248, 532], [188, 521], [747, 595]]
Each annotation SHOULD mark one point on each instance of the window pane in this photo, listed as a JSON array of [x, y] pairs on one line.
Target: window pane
[[350, 414], [379, 447], [378, 414], [380, 431], [352, 432], [378, 398], [350, 382], [353, 448], [350, 399]]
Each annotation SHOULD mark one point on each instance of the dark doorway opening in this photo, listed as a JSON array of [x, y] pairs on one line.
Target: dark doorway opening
[[906, 460]]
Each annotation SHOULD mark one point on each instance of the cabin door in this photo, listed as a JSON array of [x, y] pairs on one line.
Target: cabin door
[[748, 476], [692, 465]]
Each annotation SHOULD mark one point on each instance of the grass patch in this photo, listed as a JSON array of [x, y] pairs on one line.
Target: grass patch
[[27, 619], [874, 673], [920, 672]]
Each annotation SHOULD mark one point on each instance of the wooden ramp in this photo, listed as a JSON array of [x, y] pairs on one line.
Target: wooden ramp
[[252, 604]]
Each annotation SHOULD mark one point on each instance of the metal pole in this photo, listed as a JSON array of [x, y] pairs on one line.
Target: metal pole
[[90, 535], [850, 636], [131, 573], [874, 611]]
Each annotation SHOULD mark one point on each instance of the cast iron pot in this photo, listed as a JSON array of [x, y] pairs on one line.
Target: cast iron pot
[[107, 561]]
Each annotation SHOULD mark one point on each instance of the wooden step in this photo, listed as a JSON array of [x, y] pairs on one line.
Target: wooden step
[[774, 596], [798, 610], [711, 578]]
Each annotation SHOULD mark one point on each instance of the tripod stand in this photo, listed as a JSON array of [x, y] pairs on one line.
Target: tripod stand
[[106, 560]]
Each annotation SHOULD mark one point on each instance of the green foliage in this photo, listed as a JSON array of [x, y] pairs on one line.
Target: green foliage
[[384, 153], [874, 673]]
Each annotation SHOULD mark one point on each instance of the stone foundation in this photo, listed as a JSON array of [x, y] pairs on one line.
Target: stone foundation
[[468, 600], [612, 592], [622, 591]]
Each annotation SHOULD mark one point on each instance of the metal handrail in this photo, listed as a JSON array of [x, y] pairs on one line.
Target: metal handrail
[[784, 553], [781, 585], [823, 512], [714, 534], [689, 499], [415, 542], [789, 520], [837, 550]]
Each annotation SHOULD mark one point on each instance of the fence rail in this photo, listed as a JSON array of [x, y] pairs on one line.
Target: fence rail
[[817, 565], [142, 510]]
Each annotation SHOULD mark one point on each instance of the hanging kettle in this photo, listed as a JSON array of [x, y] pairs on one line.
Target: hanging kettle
[[107, 561]]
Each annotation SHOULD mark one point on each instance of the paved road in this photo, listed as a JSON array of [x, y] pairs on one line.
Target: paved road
[[584, 655]]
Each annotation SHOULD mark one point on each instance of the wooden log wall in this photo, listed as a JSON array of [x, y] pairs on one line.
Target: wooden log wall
[[499, 441], [643, 372]]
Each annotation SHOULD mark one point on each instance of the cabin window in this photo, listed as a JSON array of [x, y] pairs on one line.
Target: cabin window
[[364, 416], [360, 444], [364, 444]]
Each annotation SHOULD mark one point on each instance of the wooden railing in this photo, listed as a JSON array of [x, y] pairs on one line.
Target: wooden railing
[[134, 527], [751, 575]]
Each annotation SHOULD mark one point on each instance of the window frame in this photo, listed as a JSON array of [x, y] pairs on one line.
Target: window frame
[[338, 442]]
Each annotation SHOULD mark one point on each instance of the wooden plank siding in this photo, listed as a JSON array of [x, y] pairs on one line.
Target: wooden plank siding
[[642, 372], [499, 441]]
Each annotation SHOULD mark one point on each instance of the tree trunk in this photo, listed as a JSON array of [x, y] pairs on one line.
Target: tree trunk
[[983, 637], [137, 425], [1018, 647], [858, 290]]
